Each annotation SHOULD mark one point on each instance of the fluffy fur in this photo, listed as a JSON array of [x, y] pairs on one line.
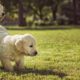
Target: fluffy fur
[[14, 48]]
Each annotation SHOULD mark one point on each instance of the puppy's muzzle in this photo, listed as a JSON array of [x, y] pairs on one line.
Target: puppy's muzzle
[[35, 53]]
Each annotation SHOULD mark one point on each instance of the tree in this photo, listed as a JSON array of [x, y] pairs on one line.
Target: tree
[[75, 11], [11, 6], [55, 7], [21, 15]]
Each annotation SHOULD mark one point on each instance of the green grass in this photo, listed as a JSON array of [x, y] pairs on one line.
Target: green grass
[[58, 56]]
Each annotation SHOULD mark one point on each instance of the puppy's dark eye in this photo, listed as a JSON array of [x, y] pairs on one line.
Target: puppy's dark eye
[[31, 45]]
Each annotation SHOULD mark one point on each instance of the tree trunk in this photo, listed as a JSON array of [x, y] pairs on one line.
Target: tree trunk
[[54, 11], [75, 12], [22, 18], [40, 13]]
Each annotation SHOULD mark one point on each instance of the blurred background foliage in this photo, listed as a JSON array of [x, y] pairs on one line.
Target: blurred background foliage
[[40, 12]]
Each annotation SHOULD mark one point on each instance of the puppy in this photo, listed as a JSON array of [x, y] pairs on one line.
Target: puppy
[[14, 48]]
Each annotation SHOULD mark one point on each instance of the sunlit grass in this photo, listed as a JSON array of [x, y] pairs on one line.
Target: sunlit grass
[[58, 56]]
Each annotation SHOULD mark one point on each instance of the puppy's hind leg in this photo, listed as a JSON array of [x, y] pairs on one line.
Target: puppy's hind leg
[[7, 64]]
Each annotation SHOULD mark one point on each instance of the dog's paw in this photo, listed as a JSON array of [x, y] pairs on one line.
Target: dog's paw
[[17, 68]]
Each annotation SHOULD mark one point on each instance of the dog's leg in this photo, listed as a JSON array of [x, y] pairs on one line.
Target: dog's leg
[[20, 64], [7, 64]]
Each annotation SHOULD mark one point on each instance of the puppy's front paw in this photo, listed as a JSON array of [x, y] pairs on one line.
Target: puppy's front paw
[[19, 68]]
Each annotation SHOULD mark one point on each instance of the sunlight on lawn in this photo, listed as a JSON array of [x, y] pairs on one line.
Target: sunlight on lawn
[[58, 57]]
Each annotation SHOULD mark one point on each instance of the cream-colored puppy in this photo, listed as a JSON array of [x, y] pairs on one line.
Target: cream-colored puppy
[[14, 48]]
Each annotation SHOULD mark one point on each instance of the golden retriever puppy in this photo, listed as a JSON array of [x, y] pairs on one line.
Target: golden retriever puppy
[[14, 48]]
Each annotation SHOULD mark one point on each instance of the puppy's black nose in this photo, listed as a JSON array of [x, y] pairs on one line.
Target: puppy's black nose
[[36, 52]]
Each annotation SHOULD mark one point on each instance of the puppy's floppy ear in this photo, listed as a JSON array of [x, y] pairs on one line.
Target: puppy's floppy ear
[[19, 45]]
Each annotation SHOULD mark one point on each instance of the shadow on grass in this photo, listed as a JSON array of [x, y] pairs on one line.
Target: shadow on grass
[[38, 72], [41, 72]]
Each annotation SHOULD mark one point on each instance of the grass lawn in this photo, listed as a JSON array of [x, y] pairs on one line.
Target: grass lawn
[[58, 57]]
